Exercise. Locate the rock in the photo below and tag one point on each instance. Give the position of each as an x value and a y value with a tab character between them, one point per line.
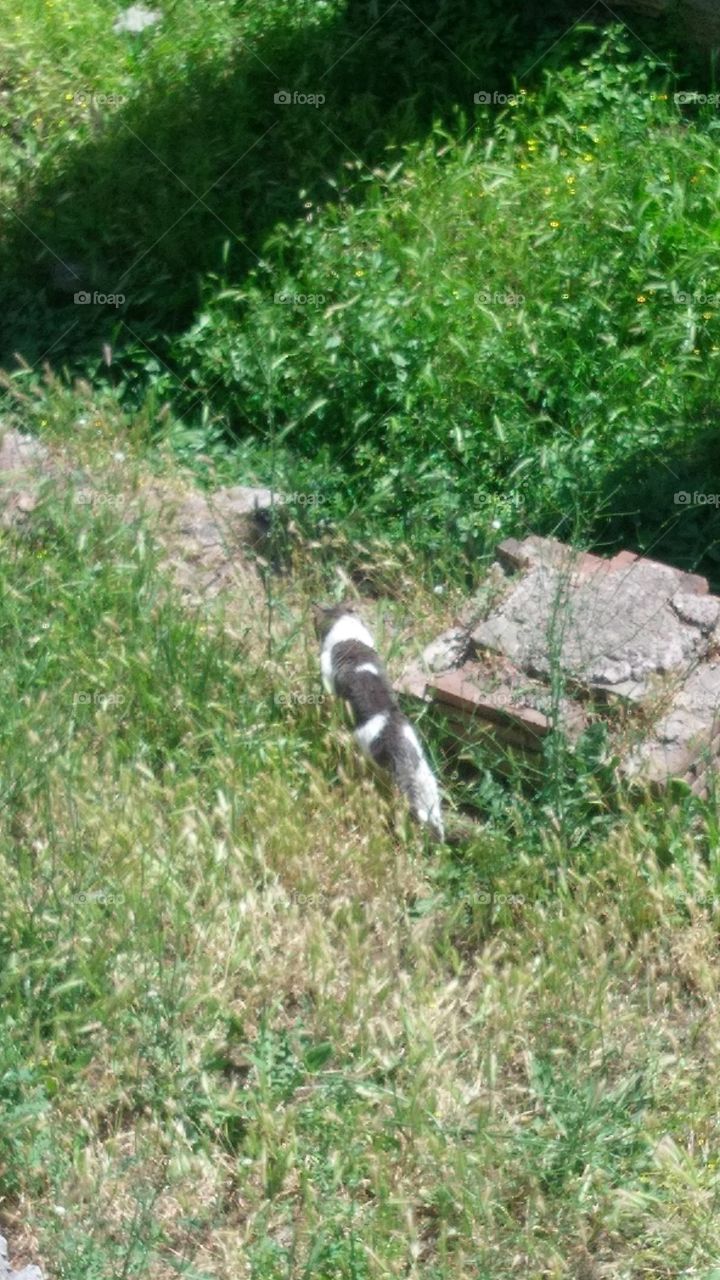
6	1272
16	508
699	611
606	624
19	452
449	650
572	632
214	519
23	461
206	536
680	743
697	21
501	694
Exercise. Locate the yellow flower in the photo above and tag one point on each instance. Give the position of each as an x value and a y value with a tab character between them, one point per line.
707	315
588	157
359	273
570	177
554	222
641	298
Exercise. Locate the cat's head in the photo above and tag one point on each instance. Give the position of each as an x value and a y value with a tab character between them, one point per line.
325	617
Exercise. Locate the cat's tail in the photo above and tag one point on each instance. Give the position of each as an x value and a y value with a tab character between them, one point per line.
418	783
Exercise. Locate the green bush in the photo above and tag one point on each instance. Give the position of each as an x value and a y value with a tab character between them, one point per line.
502	336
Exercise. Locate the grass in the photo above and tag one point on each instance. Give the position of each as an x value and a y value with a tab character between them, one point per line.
248	1028
247	1033
426	316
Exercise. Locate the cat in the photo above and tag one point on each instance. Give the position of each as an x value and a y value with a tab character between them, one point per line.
352	670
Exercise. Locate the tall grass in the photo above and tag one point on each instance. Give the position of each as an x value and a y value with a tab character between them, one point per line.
487	318
247	1032
247	1029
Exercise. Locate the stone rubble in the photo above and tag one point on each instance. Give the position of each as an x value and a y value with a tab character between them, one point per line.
6	1271
624	632
204	537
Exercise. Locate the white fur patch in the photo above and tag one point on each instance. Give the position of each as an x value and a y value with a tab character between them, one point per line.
368	666
428	811
368	732
326	670
348	627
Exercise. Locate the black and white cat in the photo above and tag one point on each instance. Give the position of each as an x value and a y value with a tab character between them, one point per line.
352	670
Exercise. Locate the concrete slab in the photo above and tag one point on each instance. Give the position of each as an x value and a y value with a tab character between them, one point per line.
569	637
606	624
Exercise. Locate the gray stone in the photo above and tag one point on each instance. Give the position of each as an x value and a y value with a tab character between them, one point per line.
623	629
19	452
221	517
244	500
684	730
605	629
6	1272
16	507
449	650
699	611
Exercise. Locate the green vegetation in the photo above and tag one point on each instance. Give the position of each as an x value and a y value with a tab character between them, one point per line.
247	1027
507	313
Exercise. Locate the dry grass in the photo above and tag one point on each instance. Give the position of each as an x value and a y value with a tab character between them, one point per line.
251	1028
